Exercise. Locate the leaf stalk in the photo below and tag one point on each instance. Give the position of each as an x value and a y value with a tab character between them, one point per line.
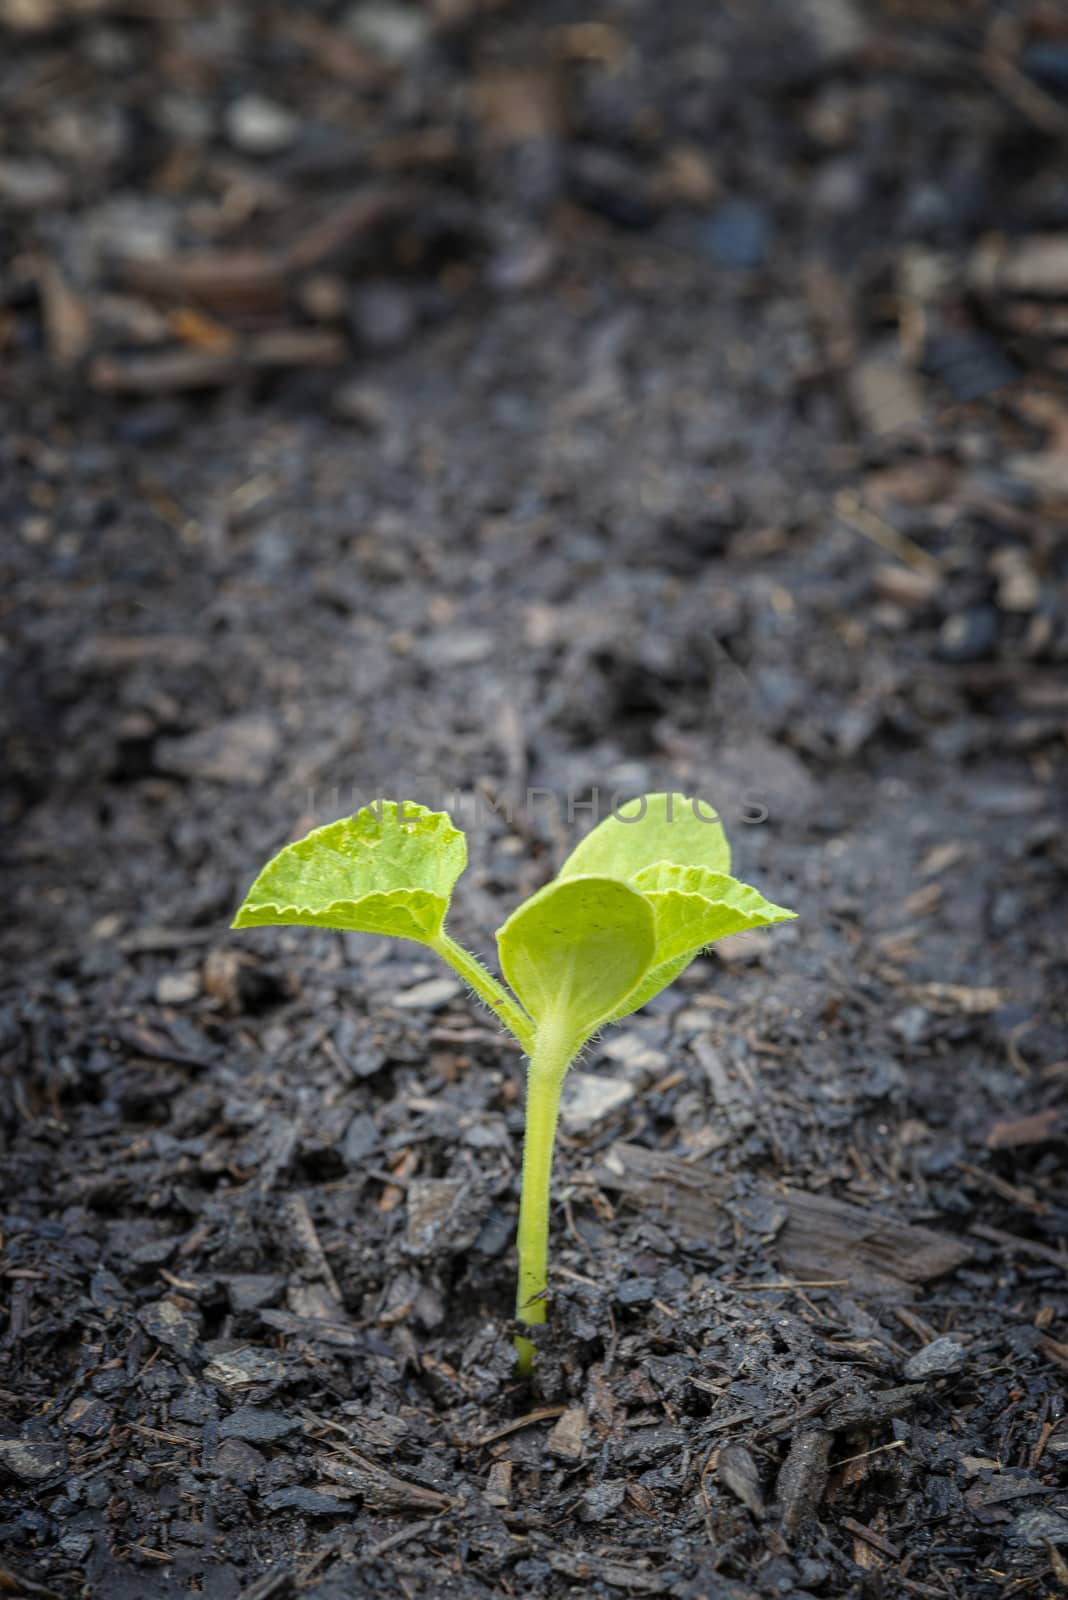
550	1058
485	985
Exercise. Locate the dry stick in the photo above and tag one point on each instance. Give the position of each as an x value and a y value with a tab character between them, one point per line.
896	1444
848	507
542	1415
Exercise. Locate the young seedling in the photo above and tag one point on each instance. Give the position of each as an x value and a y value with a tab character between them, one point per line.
630	908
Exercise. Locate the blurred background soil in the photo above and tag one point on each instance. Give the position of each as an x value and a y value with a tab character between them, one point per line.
453	400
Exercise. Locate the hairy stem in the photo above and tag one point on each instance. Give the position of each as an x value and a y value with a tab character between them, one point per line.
549	1061
485	985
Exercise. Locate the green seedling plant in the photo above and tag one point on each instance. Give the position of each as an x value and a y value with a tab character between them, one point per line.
632	906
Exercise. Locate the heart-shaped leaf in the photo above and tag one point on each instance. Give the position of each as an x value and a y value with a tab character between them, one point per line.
653	828
575	950
390	869
693	908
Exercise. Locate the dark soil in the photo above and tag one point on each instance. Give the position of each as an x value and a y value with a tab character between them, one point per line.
534	398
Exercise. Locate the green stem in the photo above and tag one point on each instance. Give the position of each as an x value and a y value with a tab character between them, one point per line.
549	1061
485	985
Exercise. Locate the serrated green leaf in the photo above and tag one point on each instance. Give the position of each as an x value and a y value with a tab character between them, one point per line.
390	869
652	828
575	950
693	908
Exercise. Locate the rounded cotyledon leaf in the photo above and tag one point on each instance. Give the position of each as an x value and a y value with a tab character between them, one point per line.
693	908
390	869
650	829
575	950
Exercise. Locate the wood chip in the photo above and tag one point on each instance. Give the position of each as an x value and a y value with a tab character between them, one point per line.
803	1477
1034	266
380	1488
949	997
736	1468
567	1438
68	325
822	1237
1036	1128
185	368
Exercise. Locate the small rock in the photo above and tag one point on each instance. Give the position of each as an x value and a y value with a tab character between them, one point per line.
836	28
636	1291
1036	1529
361	1136
256	1425
969	635
744	949
602	1500
32	1459
426	996
238	1369
936	1360
566	1439
396	33
906	586
812	1574
75	1546
456	647
247	1291
381	315
239	751
521	264
105	1290
885	393
1018	585
177	988
911	1024
635	1059
30	185
440	1217
177	1327
687	177
838	187
260	127
312	1501
587	1101
362	404
737	234
238	1461
324	297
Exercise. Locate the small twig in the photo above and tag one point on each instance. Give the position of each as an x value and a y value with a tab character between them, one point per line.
17	1584
400	1537
153	1555
1010	1241
167	1438
1021	91
869	1536
785	1283
896	1444
848	507
543	1414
